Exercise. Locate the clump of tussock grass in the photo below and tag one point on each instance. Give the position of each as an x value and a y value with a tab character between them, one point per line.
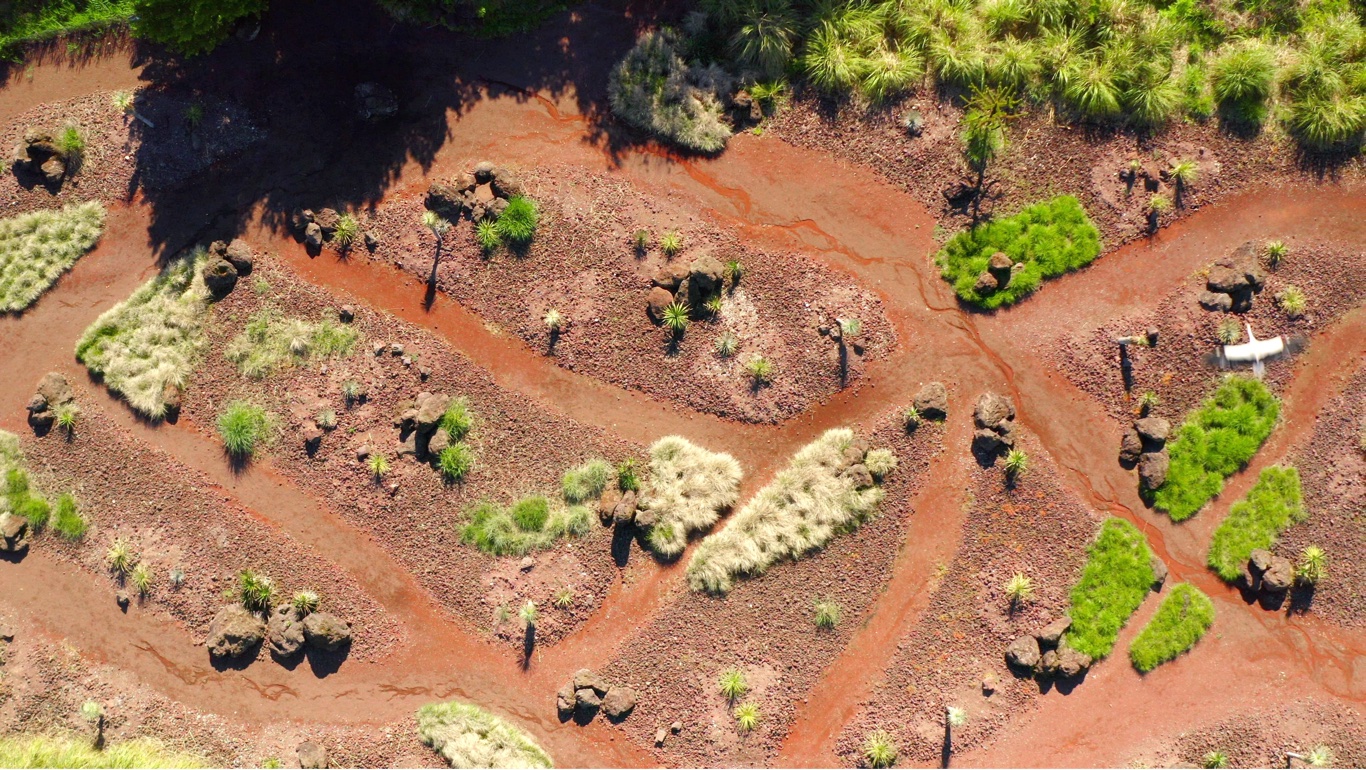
67	520
655	90
21	499
587	481
36	248
270	341
1184	616
808	504
530	524
244	426
48	751
149	342
468	736
1216	440
1117	577
688	488
1272	504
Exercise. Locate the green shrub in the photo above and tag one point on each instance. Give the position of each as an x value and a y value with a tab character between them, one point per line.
827	615
347	231
732	684
36	248
628	479
587	481
1216	440
41	751
803	508
456	461
243	426
192	27
530	524
879	750
67	521
458	419
688	488
254	591
146	345
1184	616
486	232
1243	78
21	498
1049	239
1117	577
531	513
517	223
21	23
653	89
1254	522
468	736
747	716
268	342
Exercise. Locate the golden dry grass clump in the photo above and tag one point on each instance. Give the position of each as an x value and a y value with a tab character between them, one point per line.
824	491
468	736
145	347
688	488
37	247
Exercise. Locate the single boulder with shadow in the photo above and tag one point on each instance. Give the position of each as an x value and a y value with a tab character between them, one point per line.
233	633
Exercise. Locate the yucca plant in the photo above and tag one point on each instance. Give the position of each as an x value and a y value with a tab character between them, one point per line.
553	320
713	305
1184	173
732	684
1019	589
747	716
255	592
378	465
1313	565
347	231
827	615
486	233
122	101
850	327
1149	401
564	598
140	578
1016	463
879	751
733	271
1293	301
67	415
1229	331
1275	252
910	418
120	557
1159	204
194	115
1214	760
671	243
760	370
529	614
305	602
727	344
676	317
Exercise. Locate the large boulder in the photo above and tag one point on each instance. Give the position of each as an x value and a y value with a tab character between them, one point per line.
624	512
1215	302
566	701
325	631
1000	265
860	475
593	681
285	632
1152	469
327	220
55	390
655	303
1052	633
1160	571
932	401
1071	663
618	703
1023	653
234	632
670	275
1153	430
991	410
430	410
13	533
312	756
504	183
446	200
587	700
987	442
239	254
313	236
1226	279
706	274
1259	561
220	276
986	283
1130	447
1279	576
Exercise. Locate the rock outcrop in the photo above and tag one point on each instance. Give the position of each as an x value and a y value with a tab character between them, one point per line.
234	632
994	417
587	693
932	401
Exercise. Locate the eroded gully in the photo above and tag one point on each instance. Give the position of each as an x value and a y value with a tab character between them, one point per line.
860	226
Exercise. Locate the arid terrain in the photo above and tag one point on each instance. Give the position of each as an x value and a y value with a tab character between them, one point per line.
812	241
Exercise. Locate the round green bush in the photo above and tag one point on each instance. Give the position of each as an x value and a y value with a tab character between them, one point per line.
531	513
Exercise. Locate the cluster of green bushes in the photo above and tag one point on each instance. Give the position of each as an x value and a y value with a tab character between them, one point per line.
1272	504
655	90
1117	576
17	496
1216	440
1184	616
269	341
468	736
529	524
46	751
515	227
1048	239
37	247
802	509
145	347
688	488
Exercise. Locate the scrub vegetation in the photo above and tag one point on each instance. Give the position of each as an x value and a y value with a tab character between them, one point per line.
532	523
1216	440
468	736
269	342
808	504
32	21
146	345
688	488
46	751
36	248
1184	616
655	90
1272	505
1114	582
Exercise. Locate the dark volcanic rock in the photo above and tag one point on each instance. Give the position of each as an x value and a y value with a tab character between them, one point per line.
234	632
932	401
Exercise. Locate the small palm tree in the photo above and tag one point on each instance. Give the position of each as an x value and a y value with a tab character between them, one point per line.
1016	464
529	614
827	615
911	418
1214	760
93	712
747	716
1319	756
849	327
1230	331
1020	588
378	464
436	223
676	317
1313	565
732	684
1159	204
1275	253
879	750
671	243
953	717
553	320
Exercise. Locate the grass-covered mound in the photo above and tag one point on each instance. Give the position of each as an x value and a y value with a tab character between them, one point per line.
1216	440
468	736
530	524
1272	504
1185	615
655	90
145	346
44	751
688	488
1048	239
269	342
810	502
18	497
38	247
1117	576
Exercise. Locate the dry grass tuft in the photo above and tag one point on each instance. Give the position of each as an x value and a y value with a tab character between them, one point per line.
37	247
269	342
809	502
688	488
468	736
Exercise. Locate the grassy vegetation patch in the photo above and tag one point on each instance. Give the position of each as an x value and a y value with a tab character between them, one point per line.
655	90
688	487
146	345
587	482
1272	504
810	502
468	736
1184	616
270	341
1216	440
17	495
1047	239
22	22
244	427
1117	576
530	524
44	751
37	247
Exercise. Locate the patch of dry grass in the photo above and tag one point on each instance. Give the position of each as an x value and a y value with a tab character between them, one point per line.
688	488
468	736
36	248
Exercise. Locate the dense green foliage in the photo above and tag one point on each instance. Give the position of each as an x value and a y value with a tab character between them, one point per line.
22	500
21	22
1114	582
243	427
1216	440
1048	239
517	224
40	751
67	520
530	524
1256	521
468	736
268	342
37	247
1184	616
192	26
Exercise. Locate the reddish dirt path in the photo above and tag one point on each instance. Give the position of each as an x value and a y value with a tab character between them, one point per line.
861	226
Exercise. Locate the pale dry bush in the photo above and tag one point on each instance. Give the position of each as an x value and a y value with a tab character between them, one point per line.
688	488
151	339
655	90
468	736
37	247
809	502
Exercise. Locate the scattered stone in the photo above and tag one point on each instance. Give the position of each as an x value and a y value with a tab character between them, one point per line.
1215	302
347	314
325	631
233	632
990	683
527	564
285	632
932	402
1226	280
860	475
1278	576
1153	430
396	349
1071	663
1048	664
483	172
676	728
660	736
311	756
587	699
122	599
987	442
1160	572
374	102
438	443
13	533
1023	653
618	703
1052	633
504	184
1152	469
1130	447
38	160
371	240
312	435
327	220
655	303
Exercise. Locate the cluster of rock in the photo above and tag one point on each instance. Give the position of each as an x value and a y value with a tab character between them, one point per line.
236	632
994	417
931	402
1152	174
418	421
622	508
482	193
688	284
38	160
14	533
53	394
315	228
1145	445
226	263
1268	574
745	110
312	756
997	275
374	102
1046	653
588	693
1233	281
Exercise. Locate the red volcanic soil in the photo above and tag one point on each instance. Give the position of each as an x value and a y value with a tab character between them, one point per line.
1263	737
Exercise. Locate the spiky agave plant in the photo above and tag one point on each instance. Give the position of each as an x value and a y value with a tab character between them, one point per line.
671	243
1019	589
347	231
305	602
879	751
727	344
120	557
1229	331
676	317
1293	301
827	615
378	465
747	716
1276	252
1016	463
732	684
1313	565
1214	760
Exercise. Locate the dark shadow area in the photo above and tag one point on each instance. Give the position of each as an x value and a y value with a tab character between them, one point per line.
622	535
1301	597
237	663
946	750
528	645
324	663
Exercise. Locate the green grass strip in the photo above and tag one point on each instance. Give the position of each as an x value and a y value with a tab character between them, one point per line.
1117	577
27	22
1273	504
1185	615
1049	238
1215	441
45	751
